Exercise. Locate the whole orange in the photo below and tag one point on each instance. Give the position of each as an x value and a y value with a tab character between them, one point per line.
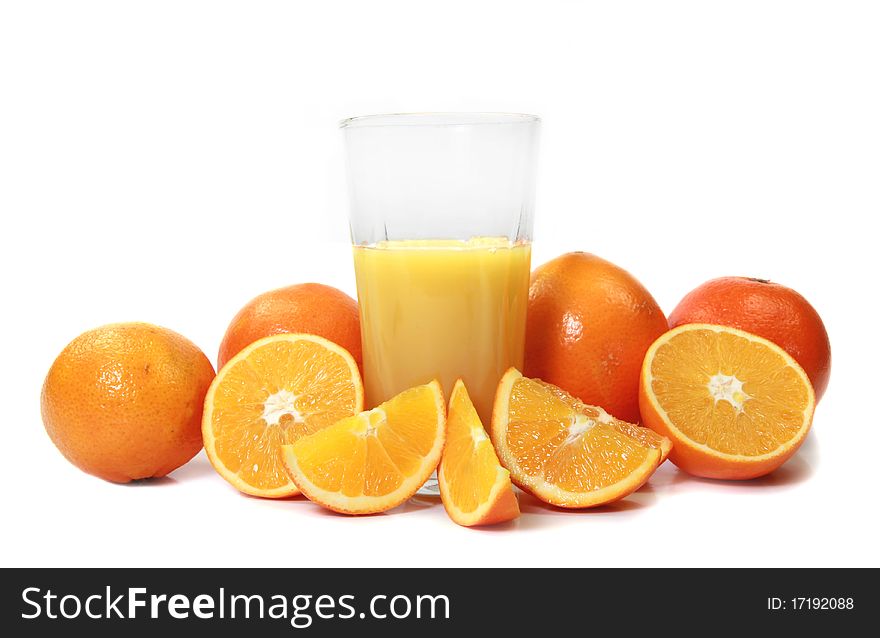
768	310
124	401
588	327
310	308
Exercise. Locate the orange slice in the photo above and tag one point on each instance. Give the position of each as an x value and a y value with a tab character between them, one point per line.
735	405
474	488
645	436
375	460
271	393
565	452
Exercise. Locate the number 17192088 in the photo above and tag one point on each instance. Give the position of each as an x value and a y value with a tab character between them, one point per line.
810	603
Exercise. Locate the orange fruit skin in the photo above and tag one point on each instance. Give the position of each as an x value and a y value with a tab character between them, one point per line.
124	401
303	308
588	326
768	310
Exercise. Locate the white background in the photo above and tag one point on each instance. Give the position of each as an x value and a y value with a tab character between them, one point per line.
166	161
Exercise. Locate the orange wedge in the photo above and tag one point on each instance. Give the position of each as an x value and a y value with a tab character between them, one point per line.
565	452
735	405
645	436
375	460
271	393
474	488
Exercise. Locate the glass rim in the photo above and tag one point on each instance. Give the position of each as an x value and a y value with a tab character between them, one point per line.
439	118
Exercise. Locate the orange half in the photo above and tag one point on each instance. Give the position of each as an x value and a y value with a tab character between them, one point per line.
474	487
735	405
273	392
375	460
565	452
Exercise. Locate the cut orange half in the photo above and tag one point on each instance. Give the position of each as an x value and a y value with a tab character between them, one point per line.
735	405
565	452
375	460
474	487
271	393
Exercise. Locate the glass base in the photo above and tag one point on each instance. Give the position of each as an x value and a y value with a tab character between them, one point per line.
431	487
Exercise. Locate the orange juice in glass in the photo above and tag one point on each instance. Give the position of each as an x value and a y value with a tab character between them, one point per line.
442	309
441	220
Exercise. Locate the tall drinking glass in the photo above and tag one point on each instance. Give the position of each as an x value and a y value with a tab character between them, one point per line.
441	221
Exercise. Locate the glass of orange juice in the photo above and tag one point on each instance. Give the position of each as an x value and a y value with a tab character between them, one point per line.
441	210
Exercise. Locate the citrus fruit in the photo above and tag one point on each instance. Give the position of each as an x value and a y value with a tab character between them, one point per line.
304	308
768	310
271	393
588	326
124	401
375	460
646	436
735	405
474	488
565	452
